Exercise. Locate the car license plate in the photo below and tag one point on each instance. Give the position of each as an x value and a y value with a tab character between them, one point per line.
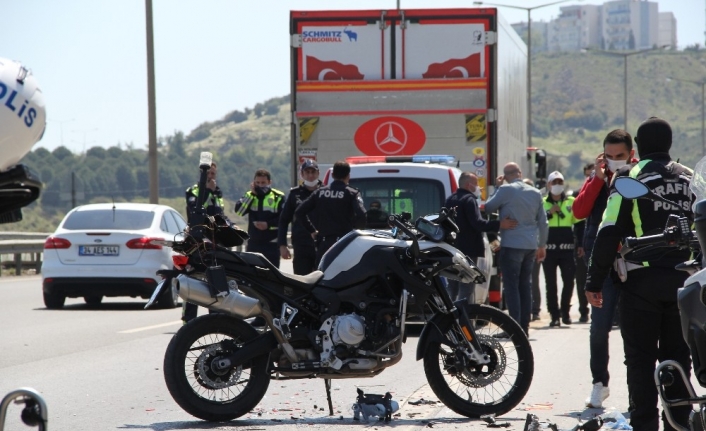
98	250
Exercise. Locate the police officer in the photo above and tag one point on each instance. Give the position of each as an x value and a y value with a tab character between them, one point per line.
337	209
560	249
304	247
649	324
214	196
213	206
263	205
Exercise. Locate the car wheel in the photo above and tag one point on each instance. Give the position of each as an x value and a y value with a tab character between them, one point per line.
53	300
169	299
93	300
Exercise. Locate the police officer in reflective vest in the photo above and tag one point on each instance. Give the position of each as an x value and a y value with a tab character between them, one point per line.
337	208
304	261
263	205
560	248
649	315
213	205
214	196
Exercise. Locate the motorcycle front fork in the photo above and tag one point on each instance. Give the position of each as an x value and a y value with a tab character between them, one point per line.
475	353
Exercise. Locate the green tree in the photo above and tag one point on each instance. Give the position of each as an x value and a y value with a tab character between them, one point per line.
97	152
126	180
63	154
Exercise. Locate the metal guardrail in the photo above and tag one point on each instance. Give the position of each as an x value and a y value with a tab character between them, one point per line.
24	235
21	246
18	247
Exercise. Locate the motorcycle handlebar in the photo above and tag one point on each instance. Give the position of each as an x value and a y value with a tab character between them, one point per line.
398	222
633	242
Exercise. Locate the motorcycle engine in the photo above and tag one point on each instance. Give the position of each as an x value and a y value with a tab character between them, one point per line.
349	330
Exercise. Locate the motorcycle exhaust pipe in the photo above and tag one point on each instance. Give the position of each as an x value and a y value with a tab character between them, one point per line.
235	303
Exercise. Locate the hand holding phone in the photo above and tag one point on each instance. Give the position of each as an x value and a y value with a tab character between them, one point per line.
600	166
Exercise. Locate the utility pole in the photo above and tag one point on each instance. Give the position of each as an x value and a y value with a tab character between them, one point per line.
151	108
529	55
625	56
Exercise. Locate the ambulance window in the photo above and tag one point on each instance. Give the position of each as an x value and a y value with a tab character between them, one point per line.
418	196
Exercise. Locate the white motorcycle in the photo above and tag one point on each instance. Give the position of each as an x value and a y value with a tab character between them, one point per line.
344	321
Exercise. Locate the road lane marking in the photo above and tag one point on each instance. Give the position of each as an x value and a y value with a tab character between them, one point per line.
147	328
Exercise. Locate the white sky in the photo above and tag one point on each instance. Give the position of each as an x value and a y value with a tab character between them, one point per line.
212	56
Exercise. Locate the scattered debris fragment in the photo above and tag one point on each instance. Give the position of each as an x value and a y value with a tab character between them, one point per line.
491	423
422	401
615	420
592	425
531	423
382	406
489	419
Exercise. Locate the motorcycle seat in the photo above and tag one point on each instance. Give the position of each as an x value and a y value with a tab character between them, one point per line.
307	281
266	268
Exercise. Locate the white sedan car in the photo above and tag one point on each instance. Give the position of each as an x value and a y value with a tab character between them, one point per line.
106	250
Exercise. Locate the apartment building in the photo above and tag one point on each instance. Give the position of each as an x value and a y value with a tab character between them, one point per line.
667	30
577	27
619	25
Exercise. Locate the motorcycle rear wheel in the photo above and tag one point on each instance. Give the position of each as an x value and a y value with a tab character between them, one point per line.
202	390
494	388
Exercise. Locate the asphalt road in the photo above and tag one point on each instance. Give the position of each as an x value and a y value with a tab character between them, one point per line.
102	369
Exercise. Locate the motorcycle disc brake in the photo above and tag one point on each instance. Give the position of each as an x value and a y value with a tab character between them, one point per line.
478	376
211	378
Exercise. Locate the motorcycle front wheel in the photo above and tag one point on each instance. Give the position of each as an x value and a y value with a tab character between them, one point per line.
202	389
474	390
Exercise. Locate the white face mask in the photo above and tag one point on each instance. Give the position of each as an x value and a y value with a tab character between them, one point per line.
311	183
477	192
557	189
614	165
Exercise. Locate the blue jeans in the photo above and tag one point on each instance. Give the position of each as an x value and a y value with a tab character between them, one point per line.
516	265
601	325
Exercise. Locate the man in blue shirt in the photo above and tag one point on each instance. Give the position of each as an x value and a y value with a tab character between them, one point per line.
522	245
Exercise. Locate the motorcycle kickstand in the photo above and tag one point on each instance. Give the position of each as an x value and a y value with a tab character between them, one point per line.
327	383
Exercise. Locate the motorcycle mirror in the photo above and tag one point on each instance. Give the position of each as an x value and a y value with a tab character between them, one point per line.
205	160
630	188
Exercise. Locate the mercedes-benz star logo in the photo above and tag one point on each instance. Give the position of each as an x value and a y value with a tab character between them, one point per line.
390	137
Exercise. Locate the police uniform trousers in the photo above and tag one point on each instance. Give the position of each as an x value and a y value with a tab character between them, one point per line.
304	259
269	249
581	271
536	291
564	260
323	243
651	331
